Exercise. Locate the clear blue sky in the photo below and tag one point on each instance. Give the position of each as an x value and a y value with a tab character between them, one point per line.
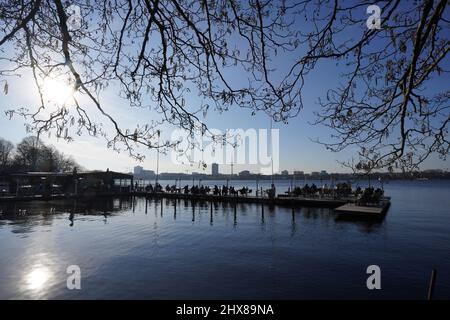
297	152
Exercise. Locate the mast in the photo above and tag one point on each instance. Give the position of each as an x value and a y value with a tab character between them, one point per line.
157	160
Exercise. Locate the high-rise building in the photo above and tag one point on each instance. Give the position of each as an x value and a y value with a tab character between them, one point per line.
138	170
214	169
315	174
244	173
140	173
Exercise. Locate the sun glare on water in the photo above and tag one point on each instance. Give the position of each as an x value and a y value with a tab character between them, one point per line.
56	91
37	278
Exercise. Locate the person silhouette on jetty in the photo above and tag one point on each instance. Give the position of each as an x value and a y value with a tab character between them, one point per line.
272	191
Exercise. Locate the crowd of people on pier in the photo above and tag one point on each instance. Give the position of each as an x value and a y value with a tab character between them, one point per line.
198	190
341	190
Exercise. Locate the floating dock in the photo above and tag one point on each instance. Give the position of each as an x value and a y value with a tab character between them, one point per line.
352	209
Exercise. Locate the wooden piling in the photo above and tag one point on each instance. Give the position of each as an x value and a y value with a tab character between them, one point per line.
262	213
431	286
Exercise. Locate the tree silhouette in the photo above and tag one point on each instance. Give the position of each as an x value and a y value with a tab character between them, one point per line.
33	155
6	147
155	53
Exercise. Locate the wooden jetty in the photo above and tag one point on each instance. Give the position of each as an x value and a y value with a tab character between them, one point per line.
344	207
281	201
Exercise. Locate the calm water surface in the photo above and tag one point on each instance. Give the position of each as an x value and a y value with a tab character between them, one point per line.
131	248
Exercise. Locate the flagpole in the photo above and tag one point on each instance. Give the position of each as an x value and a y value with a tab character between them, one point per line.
271	146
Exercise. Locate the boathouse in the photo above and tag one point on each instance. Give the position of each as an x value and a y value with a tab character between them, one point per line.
68	183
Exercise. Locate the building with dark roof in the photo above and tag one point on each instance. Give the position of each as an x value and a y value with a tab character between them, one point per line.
78	183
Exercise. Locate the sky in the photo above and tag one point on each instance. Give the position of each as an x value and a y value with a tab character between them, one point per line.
297	151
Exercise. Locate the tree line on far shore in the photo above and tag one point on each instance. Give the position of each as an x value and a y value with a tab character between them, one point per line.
31	154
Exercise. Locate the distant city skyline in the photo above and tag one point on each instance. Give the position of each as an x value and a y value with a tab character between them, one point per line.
215	170
93	156
139	171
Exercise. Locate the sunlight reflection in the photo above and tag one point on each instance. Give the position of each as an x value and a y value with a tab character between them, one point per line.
37	278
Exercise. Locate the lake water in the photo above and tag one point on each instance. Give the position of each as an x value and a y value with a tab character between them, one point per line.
131	248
